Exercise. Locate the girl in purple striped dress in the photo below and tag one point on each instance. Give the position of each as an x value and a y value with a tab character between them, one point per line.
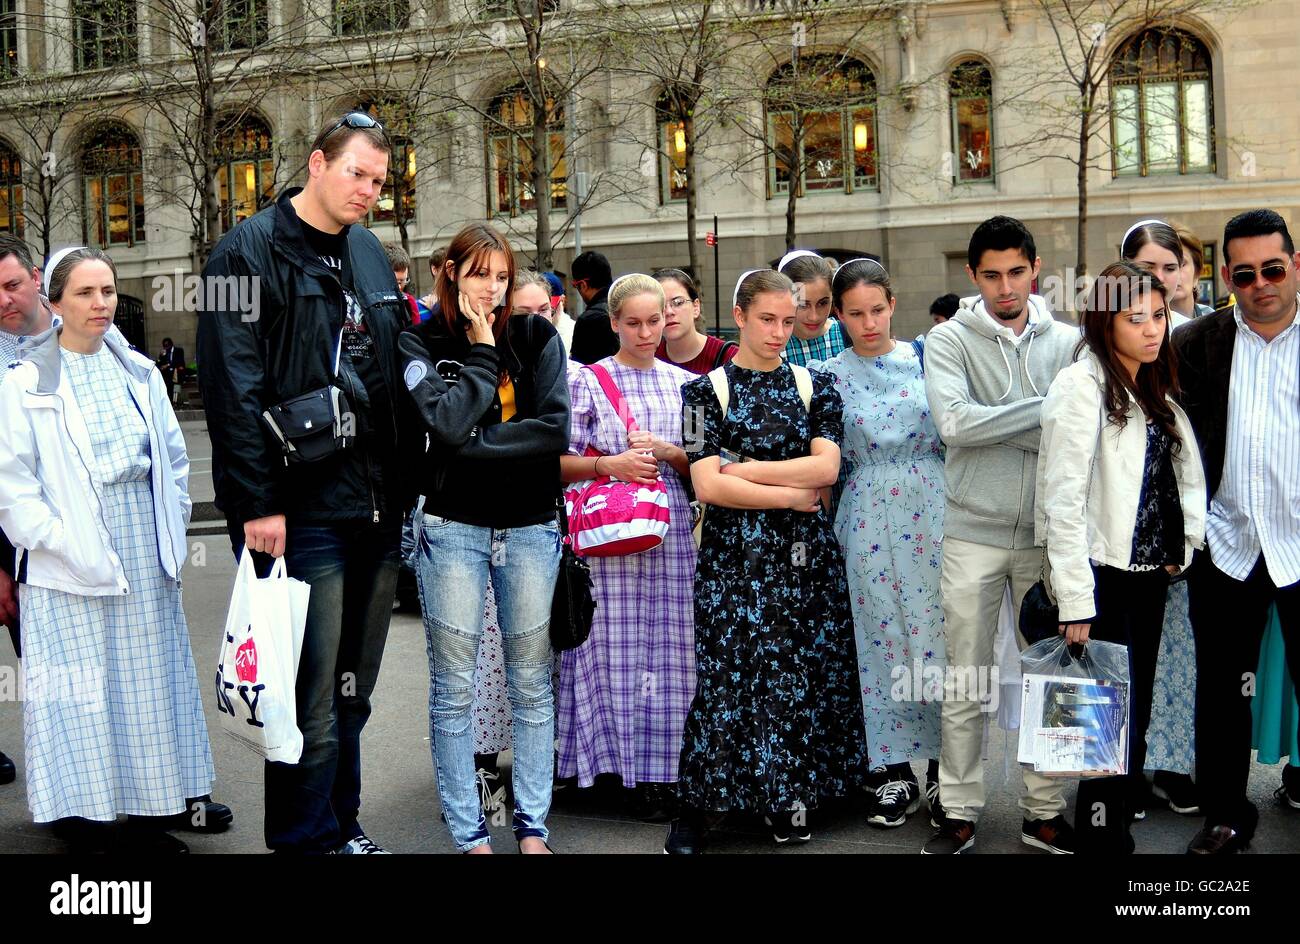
624	694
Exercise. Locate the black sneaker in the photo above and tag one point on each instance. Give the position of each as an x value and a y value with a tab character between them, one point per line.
686	836
894	802
955	836
1178	791
1289	792
789	826
937	814
7	769
1053	835
653	802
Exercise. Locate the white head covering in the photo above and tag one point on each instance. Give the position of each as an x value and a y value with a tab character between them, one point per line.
735	293
50	263
859	259
792	255
1138	225
627	275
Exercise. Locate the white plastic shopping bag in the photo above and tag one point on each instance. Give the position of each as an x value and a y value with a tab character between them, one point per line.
258	667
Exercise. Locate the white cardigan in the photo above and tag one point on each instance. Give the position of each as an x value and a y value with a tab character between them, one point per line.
49	495
1087	497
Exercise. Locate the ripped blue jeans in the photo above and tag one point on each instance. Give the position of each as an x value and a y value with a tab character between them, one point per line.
452	566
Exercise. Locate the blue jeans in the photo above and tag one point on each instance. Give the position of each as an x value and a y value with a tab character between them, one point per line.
312	806
452	568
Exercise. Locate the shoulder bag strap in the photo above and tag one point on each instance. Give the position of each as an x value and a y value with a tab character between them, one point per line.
721	389
615	396
803	381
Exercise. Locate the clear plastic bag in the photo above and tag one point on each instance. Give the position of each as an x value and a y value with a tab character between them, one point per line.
1074	709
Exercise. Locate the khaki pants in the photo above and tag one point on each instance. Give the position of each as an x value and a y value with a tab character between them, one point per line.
972	582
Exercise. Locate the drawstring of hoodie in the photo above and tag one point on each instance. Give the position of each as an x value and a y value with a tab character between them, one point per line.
1028	373
1011	379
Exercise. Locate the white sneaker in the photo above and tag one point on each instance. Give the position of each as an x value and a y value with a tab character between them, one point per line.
362	845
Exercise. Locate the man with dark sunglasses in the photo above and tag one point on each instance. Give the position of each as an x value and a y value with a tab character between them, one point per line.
1240	373
326	319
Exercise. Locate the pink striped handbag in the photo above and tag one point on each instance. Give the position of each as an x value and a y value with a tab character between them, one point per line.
611	518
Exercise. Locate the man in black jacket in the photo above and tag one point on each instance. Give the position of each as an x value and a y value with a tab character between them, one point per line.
1240	373
299	299
593	338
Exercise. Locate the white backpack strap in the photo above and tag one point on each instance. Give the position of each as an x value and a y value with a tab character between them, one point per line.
803	381
721	389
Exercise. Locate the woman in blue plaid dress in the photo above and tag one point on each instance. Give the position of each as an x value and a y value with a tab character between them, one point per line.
624	694
93	495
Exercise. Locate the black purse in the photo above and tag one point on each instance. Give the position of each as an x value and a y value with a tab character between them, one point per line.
315	424
572	606
1040	618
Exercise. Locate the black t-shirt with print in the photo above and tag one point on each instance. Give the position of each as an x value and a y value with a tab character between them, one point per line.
358	365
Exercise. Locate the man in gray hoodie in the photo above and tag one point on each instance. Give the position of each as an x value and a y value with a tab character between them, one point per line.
987	372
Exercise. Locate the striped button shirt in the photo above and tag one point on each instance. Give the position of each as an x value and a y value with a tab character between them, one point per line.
1257	506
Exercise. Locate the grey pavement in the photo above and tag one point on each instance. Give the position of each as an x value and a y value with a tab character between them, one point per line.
199	448
399	802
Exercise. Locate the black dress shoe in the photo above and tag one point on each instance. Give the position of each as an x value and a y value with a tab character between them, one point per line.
149	840
83	835
7	769
1218	840
202	816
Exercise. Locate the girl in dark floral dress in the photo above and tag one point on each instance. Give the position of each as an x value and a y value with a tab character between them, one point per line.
776	722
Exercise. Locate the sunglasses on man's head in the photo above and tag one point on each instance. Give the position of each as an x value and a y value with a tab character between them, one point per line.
355	120
1273	273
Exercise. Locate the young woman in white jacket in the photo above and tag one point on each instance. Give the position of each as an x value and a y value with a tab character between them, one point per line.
93	495
1120	506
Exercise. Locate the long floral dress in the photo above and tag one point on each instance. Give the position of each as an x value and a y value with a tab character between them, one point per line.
624	693
776	723
890	525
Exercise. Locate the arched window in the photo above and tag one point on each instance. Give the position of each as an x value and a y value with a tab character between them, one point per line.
246	173
970	94
510	153
360	17
1162	107
672	148
11	190
113	176
821	126
104	31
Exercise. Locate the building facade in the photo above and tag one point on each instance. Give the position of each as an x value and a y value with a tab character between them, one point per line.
932	117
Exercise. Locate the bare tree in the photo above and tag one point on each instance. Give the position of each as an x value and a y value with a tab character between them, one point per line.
793	120
376	62
36	108
678	48
211	65
1067	96
554	113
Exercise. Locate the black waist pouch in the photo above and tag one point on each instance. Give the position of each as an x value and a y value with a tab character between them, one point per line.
313	425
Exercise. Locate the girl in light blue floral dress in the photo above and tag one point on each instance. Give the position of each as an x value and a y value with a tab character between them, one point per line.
890	524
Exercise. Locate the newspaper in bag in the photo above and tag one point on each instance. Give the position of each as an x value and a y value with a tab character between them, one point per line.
1074	713
258	666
